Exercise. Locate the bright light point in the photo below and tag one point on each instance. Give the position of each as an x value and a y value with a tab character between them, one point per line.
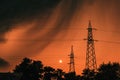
60	61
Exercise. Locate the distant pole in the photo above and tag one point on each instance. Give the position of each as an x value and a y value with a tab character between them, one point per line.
72	63
90	53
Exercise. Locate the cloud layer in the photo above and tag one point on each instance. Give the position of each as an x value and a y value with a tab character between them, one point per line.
17	11
3	63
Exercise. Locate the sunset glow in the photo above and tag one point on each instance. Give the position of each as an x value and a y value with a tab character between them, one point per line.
48	34
60	61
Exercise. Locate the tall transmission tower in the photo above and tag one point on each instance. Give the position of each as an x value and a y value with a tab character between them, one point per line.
90	53
72	63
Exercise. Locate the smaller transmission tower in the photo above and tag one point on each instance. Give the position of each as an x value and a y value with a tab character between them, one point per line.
71	64
90	53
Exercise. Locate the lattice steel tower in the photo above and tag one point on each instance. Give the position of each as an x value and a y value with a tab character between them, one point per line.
90	53
72	63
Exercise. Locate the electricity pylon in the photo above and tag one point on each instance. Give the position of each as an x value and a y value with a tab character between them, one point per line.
90	53
72	63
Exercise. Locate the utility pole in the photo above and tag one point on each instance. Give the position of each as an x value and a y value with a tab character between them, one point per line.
72	63
90	53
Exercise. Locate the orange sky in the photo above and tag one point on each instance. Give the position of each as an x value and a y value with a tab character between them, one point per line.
53	41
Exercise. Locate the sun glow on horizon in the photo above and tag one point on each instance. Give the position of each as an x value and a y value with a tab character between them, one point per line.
60	61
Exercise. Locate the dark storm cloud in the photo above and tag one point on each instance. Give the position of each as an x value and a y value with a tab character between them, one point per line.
67	10
16	11
11	9
3	63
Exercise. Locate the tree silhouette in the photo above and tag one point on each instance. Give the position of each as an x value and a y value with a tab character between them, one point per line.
109	71
88	74
70	76
34	70
48	72
78	77
22	66
30	70
59	74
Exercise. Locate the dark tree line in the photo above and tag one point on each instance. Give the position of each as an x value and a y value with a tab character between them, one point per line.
30	70
34	70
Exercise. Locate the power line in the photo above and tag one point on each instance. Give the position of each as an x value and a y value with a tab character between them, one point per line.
108	31
83	29
96	30
109	41
30	40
